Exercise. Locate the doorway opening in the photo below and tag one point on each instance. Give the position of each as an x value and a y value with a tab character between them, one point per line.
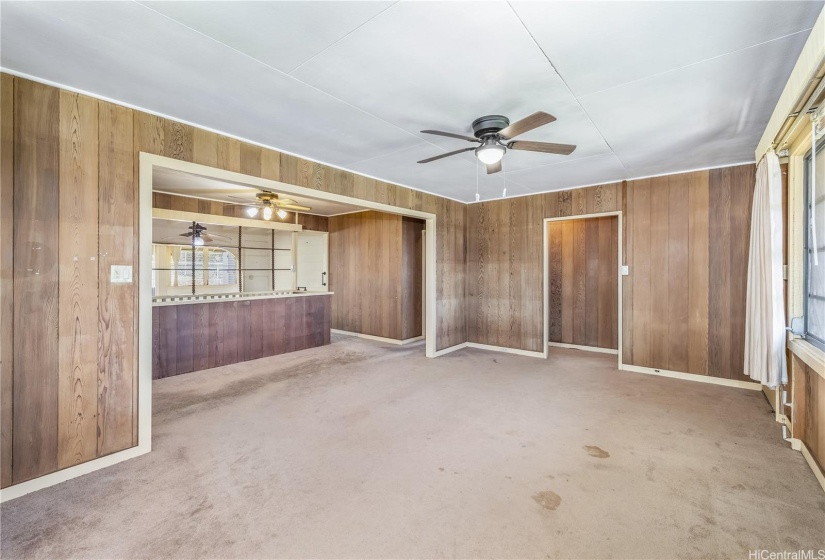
583	283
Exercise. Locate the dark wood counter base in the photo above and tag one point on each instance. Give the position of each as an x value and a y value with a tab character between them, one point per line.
196	336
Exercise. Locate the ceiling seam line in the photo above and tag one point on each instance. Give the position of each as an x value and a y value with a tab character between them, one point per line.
262	63
695	63
563	81
325	49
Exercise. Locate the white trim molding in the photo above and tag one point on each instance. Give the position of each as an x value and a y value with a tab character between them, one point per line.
546	273
692	377
583	348
800	446
378	338
450	349
505	350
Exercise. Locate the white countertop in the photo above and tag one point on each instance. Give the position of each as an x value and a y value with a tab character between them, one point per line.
160	301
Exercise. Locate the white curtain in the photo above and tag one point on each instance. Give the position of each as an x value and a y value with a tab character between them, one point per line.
765	311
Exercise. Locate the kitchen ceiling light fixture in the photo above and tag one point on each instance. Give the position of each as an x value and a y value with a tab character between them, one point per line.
494	133
270	203
197	241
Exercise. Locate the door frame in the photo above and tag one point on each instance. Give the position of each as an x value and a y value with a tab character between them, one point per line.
546	274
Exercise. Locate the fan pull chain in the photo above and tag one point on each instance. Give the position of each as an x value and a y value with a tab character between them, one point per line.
477	195
504	170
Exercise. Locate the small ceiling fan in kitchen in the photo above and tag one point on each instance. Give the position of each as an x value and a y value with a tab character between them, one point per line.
268	203
495	134
197	234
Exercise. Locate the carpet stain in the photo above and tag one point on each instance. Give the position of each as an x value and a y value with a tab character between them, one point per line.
597	452
547	499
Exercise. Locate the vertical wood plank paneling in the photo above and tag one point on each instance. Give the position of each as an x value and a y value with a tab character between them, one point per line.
597	269
555	271
229	154
567	282
579	283
204	147
659	274
77	292
178	140
256	322
36	206
677	273
627	281
116	318
592	311
216	335
270	164
150	135
640	269
606	274
167	341
6	276
185	335
698	264
368	303
250	159
719	329
200	330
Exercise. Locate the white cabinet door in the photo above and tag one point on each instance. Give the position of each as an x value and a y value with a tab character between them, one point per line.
311	260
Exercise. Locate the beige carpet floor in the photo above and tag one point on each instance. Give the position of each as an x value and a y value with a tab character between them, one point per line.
361	450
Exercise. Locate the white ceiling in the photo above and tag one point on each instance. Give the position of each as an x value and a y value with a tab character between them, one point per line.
188	184
643	88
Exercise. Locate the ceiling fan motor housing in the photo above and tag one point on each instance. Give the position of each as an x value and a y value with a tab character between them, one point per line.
489	124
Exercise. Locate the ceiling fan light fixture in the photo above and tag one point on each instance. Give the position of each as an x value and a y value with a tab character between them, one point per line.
490	152
252	211
197	241
282	213
267	213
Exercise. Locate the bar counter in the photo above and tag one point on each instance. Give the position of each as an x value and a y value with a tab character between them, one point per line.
192	333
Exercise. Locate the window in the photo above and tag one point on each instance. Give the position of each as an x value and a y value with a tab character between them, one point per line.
815	246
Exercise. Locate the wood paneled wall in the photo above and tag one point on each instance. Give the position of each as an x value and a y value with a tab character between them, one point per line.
69	187
808	413
505	262
687	245
196	336
685	242
372	272
412	278
583	267
191	204
69	203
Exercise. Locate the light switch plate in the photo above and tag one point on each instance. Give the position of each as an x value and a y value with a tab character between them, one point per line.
625	271
121	274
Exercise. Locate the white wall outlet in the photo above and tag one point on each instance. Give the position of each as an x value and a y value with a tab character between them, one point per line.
121	274
625	271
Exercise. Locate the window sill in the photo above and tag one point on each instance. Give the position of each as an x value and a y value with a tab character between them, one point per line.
813	357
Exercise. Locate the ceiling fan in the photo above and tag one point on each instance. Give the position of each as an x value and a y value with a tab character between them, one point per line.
495	133
199	236
269	202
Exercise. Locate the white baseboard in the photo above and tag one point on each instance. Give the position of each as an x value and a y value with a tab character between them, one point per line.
449	349
378	338
584	348
799	445
693	377
505	350
39	483
489	347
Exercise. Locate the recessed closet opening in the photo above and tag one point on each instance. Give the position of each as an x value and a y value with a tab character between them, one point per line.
583	283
